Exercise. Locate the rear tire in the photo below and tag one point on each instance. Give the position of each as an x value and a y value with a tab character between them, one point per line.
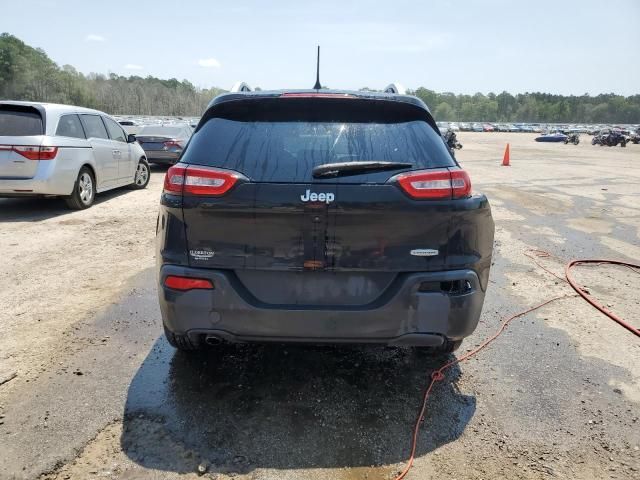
84	190
180	342
142	175
449	346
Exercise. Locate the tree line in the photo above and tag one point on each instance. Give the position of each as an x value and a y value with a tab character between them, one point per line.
27	73
532	107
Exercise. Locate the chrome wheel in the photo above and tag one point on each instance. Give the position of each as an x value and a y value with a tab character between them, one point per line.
85	188
142	174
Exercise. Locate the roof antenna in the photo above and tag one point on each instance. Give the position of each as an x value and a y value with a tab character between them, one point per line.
317	86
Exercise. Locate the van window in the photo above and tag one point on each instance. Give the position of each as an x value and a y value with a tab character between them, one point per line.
18	121
94	127
115	131
70	126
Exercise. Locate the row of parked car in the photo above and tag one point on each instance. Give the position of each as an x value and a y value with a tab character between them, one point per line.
533	127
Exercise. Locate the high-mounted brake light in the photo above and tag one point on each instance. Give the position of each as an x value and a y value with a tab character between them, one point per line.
33	153
194	180
316	95
436	184
186	283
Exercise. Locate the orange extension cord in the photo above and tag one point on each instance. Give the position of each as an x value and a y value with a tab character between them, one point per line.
438	375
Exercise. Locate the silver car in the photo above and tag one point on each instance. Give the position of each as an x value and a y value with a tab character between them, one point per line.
61	150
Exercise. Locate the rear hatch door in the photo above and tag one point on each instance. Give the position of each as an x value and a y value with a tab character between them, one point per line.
295	238
21	129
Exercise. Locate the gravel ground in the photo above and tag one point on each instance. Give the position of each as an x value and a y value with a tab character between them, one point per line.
98	393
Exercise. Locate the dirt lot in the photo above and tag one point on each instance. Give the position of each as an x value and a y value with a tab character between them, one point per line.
99	393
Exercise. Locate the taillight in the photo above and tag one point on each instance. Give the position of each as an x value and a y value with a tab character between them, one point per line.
174	179
460	184
193	180
208	181
186	283
436	184
172	143
36	153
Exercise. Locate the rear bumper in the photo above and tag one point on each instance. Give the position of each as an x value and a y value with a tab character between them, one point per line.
49	179
162	156
404	316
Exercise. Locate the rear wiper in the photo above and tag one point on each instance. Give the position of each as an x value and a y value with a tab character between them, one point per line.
355	168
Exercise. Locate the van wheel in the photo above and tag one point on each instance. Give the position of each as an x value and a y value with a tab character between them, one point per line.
181	342
84	191
141	178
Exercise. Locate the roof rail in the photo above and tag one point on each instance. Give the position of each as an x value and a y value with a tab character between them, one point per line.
241	87
395	88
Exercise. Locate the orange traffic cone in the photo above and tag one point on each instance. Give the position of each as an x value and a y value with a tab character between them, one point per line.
505	159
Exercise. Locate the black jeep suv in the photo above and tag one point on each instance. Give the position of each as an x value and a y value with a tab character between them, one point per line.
321	216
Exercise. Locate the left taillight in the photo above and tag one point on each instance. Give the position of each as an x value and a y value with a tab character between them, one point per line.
36	153
435	184
199	181
174	179
176	282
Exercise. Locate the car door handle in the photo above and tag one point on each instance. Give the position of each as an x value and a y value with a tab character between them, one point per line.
116	153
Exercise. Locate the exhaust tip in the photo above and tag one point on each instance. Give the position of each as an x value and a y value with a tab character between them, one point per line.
212	340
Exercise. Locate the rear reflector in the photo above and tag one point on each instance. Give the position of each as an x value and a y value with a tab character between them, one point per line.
436	184
186	283
202	181
33	153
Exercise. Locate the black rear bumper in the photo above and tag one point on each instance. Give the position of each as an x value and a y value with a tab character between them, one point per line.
421	310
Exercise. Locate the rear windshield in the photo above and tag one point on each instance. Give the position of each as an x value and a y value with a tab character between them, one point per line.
20	122
286	150
162	131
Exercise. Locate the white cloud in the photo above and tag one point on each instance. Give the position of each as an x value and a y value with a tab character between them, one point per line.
133	66
209	63
92	37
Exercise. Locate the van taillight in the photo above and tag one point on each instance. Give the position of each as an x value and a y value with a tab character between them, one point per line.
195	180
36	153
436	184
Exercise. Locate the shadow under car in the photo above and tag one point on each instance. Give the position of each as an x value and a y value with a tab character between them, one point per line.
242	407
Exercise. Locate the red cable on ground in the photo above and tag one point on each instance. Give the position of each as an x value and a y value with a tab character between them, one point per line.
438	374
588	298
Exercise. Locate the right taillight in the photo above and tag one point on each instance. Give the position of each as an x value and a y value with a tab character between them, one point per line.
199	181
460	184
435	184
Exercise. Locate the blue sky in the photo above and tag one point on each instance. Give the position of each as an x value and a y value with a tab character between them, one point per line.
569	47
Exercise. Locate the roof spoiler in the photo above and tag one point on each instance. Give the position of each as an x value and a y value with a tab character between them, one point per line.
241	87
396	88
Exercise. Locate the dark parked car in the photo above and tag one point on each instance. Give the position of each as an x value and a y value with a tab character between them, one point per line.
164	143
321	217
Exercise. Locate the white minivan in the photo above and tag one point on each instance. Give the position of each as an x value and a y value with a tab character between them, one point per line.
48	149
